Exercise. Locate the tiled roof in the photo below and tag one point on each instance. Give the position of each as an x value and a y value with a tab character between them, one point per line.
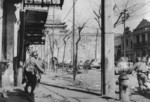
143	24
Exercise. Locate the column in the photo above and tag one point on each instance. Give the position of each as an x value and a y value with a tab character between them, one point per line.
17	79
1	24
109	77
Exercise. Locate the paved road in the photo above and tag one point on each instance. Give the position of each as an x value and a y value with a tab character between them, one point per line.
51	94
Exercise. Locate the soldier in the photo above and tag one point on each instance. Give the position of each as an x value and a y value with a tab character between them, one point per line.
31	72
141	69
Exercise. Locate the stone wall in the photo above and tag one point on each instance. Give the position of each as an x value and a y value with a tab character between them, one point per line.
86	48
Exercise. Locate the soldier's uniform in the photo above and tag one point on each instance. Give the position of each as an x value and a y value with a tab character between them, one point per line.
141	69
32	72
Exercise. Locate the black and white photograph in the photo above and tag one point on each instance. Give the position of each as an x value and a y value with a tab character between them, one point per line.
74	50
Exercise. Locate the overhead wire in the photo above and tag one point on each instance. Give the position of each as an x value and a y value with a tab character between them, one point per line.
139	15
139	6
69	11
133	12
136	13
117	6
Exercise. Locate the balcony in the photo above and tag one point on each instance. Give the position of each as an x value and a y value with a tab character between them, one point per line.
141	45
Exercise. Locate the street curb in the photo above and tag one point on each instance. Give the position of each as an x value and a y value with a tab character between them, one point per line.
73	89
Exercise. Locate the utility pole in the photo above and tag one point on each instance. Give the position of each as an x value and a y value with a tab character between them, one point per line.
53	32
73	38
103	49
1	34
124	25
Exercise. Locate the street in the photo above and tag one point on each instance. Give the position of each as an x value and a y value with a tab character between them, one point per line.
63	89
70	48
63	95
86	88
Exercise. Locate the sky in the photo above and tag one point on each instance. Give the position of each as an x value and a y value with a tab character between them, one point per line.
140	9
84	11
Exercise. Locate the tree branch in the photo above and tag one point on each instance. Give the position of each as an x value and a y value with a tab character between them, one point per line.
118	20
100	9
98	16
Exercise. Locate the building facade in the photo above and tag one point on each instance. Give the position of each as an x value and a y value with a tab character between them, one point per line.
142	38
127	44
136	43
117	47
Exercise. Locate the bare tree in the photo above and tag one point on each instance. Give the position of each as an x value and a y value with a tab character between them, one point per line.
58	46
97	17
80	27
97	14
65	39
51	45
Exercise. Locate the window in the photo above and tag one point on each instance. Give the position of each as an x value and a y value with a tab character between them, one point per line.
139	31
146	37
122	46
131	44
137	39
126	42
140	38
146	28
143	37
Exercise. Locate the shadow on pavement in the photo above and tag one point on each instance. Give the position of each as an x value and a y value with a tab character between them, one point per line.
146	94
18	94
110	98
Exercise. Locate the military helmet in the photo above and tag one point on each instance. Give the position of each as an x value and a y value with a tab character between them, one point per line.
122	59
34	53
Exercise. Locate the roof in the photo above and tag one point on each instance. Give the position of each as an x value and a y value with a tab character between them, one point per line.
143	24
